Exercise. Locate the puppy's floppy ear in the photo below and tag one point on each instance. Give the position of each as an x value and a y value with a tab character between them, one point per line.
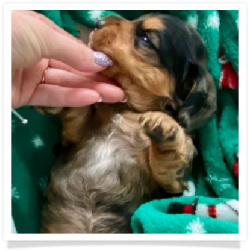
198	96
192	74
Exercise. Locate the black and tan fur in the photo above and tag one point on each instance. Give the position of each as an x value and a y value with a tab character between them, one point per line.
117	156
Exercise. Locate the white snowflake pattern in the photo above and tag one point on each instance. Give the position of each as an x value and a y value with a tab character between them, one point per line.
38	141
196	227
15	193
193	21
43	183
95	15
225	186
213	20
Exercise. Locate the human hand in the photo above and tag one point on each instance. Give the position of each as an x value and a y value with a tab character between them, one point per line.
72	79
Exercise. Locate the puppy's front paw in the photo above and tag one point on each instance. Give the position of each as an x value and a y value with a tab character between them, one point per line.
171	152
161	129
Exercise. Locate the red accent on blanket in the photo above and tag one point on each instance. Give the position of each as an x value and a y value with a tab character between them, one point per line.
188	209
236	169
212	211
229	77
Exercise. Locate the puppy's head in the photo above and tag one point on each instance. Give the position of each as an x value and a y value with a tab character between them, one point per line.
161	64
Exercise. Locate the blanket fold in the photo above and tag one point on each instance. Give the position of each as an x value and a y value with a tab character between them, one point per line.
187	215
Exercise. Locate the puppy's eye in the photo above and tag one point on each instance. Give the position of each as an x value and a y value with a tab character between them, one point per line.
145	39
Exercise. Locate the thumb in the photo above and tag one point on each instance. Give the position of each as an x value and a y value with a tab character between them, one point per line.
72	52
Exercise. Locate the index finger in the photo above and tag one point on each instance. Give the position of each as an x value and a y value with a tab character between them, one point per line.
47	21
73	52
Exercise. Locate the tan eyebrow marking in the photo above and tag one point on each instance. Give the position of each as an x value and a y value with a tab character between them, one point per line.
153	23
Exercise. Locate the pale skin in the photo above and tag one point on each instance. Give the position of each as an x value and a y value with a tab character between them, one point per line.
73	78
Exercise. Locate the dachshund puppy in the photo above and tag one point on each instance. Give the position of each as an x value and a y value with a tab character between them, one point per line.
117	156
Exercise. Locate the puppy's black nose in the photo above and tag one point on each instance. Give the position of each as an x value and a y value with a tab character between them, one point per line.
99	24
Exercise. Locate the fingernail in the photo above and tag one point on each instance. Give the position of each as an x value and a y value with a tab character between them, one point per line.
102	59
125	99
100	99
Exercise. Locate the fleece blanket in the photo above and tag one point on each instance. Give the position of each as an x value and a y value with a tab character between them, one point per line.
210	205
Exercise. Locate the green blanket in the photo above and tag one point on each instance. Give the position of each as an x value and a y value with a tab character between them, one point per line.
211	203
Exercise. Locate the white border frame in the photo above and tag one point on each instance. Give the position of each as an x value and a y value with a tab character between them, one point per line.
122	237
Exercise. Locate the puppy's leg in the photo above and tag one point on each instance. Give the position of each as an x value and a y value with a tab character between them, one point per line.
73	119
170	153
49	110
74	122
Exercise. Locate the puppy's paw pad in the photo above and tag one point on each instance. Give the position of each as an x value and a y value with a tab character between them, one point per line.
157	133
158	129
171	133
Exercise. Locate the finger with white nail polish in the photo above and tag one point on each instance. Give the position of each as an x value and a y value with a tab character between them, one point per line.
102	59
